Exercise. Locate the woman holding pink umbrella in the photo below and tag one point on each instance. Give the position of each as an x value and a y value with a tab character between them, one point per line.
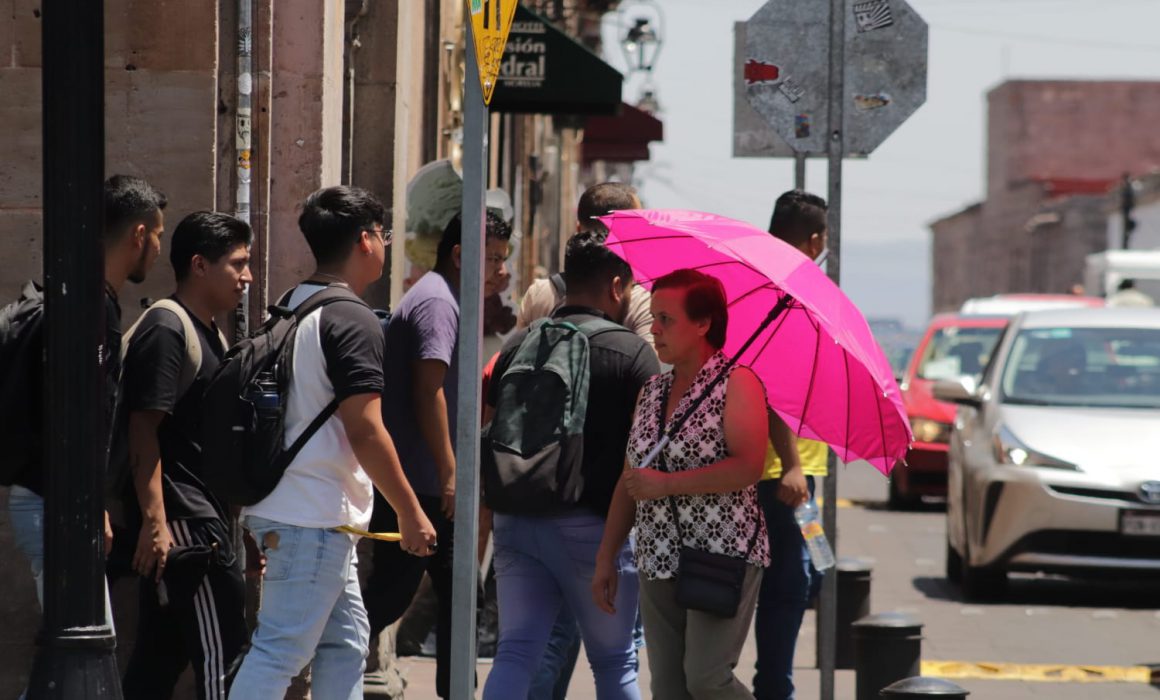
700	539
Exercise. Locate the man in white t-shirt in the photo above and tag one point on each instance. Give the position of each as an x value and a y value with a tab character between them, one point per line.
312	611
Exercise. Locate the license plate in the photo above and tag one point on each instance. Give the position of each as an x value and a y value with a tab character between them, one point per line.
1140	523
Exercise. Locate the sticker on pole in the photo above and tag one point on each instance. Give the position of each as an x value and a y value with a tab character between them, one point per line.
491	20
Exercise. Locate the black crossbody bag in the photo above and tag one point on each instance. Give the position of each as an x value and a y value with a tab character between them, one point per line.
706	581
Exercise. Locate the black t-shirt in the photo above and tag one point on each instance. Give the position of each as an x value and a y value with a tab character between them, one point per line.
156	354
620	363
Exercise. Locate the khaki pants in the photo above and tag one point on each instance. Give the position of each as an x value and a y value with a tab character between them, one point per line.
691	654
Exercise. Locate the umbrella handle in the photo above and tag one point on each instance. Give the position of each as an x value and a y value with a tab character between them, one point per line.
655	452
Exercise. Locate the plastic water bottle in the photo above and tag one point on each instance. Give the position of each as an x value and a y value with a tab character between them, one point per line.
810	521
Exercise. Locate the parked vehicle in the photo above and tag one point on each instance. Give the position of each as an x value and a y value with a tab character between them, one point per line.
1053	458
953	345
1011	304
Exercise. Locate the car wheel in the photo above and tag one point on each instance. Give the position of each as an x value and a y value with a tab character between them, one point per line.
897	500
980	583
954	564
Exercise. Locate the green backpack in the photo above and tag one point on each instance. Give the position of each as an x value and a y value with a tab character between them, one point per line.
533	449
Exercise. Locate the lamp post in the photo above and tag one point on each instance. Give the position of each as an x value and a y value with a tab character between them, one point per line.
641	27
75	658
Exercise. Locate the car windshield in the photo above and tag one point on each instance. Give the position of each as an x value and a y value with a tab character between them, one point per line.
956	352
1097	367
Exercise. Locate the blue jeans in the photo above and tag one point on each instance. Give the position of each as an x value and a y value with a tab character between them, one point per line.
26	511
555	672
790	582
543	564
312	613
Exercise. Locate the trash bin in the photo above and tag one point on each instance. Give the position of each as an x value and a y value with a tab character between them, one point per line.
887	649
918	688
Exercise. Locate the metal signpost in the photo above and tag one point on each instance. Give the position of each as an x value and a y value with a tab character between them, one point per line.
837	79
491	21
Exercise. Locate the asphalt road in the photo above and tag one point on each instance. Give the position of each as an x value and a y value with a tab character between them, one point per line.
1046	627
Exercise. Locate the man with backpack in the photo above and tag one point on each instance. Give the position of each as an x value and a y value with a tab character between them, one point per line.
540	301
134	222
419	408
192	593
312	611
561	403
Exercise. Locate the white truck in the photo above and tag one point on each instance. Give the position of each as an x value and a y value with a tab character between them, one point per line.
1104	272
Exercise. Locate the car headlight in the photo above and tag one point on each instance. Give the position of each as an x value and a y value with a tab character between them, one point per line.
927	430
1011	450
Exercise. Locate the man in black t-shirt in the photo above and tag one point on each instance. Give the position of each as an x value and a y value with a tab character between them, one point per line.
544	563
134	224
192	591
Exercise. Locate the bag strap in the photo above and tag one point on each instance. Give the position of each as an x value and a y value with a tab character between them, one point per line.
559	287
193	357
678	424
329	295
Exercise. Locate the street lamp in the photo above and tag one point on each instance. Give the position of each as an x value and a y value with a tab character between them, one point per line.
641	25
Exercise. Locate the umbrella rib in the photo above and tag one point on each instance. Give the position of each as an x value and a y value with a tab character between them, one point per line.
846	365
813	376
881	423
755	290
772	333
720	263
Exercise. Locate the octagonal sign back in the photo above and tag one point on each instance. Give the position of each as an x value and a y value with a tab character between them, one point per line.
786	70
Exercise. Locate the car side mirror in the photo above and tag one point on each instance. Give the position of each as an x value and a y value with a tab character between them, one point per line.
963	391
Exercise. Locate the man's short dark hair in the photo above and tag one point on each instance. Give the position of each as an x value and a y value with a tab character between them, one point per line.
129	200
589	265
602	199
496	229
797	216
332	219
208	234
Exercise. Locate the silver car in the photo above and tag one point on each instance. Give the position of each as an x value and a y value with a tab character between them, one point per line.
1055	454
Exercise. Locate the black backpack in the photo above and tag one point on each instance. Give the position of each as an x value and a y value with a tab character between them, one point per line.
243	432
22	360
533	448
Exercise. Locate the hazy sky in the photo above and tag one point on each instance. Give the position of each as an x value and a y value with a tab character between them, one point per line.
933	165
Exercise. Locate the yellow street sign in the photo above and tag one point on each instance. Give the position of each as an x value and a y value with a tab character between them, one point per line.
491	20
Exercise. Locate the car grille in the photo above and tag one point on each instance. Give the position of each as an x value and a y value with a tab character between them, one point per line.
1106	494
1095	544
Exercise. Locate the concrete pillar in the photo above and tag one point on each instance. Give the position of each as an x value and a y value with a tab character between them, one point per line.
305	126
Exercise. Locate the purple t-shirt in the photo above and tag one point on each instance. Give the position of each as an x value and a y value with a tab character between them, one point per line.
425	326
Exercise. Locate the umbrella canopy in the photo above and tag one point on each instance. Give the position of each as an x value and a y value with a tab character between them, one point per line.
824	373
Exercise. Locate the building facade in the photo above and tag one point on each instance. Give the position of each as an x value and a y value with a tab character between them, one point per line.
1055	150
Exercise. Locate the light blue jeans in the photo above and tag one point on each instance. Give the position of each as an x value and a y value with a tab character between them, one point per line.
541	565
312	613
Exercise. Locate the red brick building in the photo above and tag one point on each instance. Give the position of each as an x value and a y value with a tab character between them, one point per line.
1054	150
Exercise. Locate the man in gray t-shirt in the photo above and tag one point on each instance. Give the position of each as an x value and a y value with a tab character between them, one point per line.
420	397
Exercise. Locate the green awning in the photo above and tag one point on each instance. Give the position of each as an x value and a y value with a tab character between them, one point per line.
545	71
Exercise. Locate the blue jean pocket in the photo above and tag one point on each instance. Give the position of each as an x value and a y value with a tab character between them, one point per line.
279	543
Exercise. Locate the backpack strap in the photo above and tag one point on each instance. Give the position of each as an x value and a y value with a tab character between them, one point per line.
559	287
192	363
331	294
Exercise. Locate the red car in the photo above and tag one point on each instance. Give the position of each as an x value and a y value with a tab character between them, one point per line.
953	345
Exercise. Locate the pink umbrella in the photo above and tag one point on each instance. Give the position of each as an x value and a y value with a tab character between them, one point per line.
823	371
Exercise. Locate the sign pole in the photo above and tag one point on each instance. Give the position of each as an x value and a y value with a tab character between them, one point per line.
465	575
799	171
828	608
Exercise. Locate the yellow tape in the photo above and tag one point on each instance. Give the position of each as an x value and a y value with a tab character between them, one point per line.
384	536
1045	673
842	502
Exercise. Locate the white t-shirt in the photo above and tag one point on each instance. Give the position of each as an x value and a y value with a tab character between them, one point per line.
338	352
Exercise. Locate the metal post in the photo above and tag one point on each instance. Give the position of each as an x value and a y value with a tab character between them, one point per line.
75	654
827	609
466	566
799	171
243	142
